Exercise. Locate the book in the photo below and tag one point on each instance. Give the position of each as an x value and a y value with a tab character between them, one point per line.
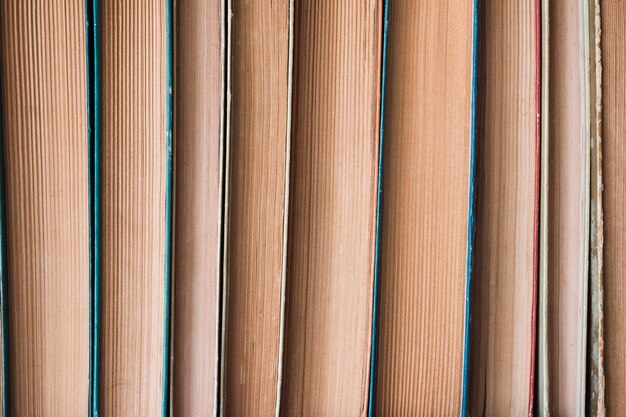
504	277
332	208
46	195
256	197
134	139
425	209
199	141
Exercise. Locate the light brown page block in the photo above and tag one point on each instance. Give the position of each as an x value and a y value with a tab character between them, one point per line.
199	92
614	157
424	209
44	119
502	293
133	105
331	237
256	212
568	208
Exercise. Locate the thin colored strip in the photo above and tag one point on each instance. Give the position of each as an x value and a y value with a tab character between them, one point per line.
378	203
283	279
168	206
595	404
220	267
543	375
4	300
228	15
586	138
93	41
90	129
470	220
531	390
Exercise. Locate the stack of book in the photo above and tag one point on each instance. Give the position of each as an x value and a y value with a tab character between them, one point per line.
312	208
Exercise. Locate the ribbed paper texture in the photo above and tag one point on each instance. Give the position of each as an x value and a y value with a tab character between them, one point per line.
133	174
44	95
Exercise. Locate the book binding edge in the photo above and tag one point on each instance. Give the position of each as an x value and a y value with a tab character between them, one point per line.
168	204
595	400
93	103
470	218
543	381
379	191
4	308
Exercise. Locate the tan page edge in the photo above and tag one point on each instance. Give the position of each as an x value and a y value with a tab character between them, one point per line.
585	221
595	396
283	279
228	19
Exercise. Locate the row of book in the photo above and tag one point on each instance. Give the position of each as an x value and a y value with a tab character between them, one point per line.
312	208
